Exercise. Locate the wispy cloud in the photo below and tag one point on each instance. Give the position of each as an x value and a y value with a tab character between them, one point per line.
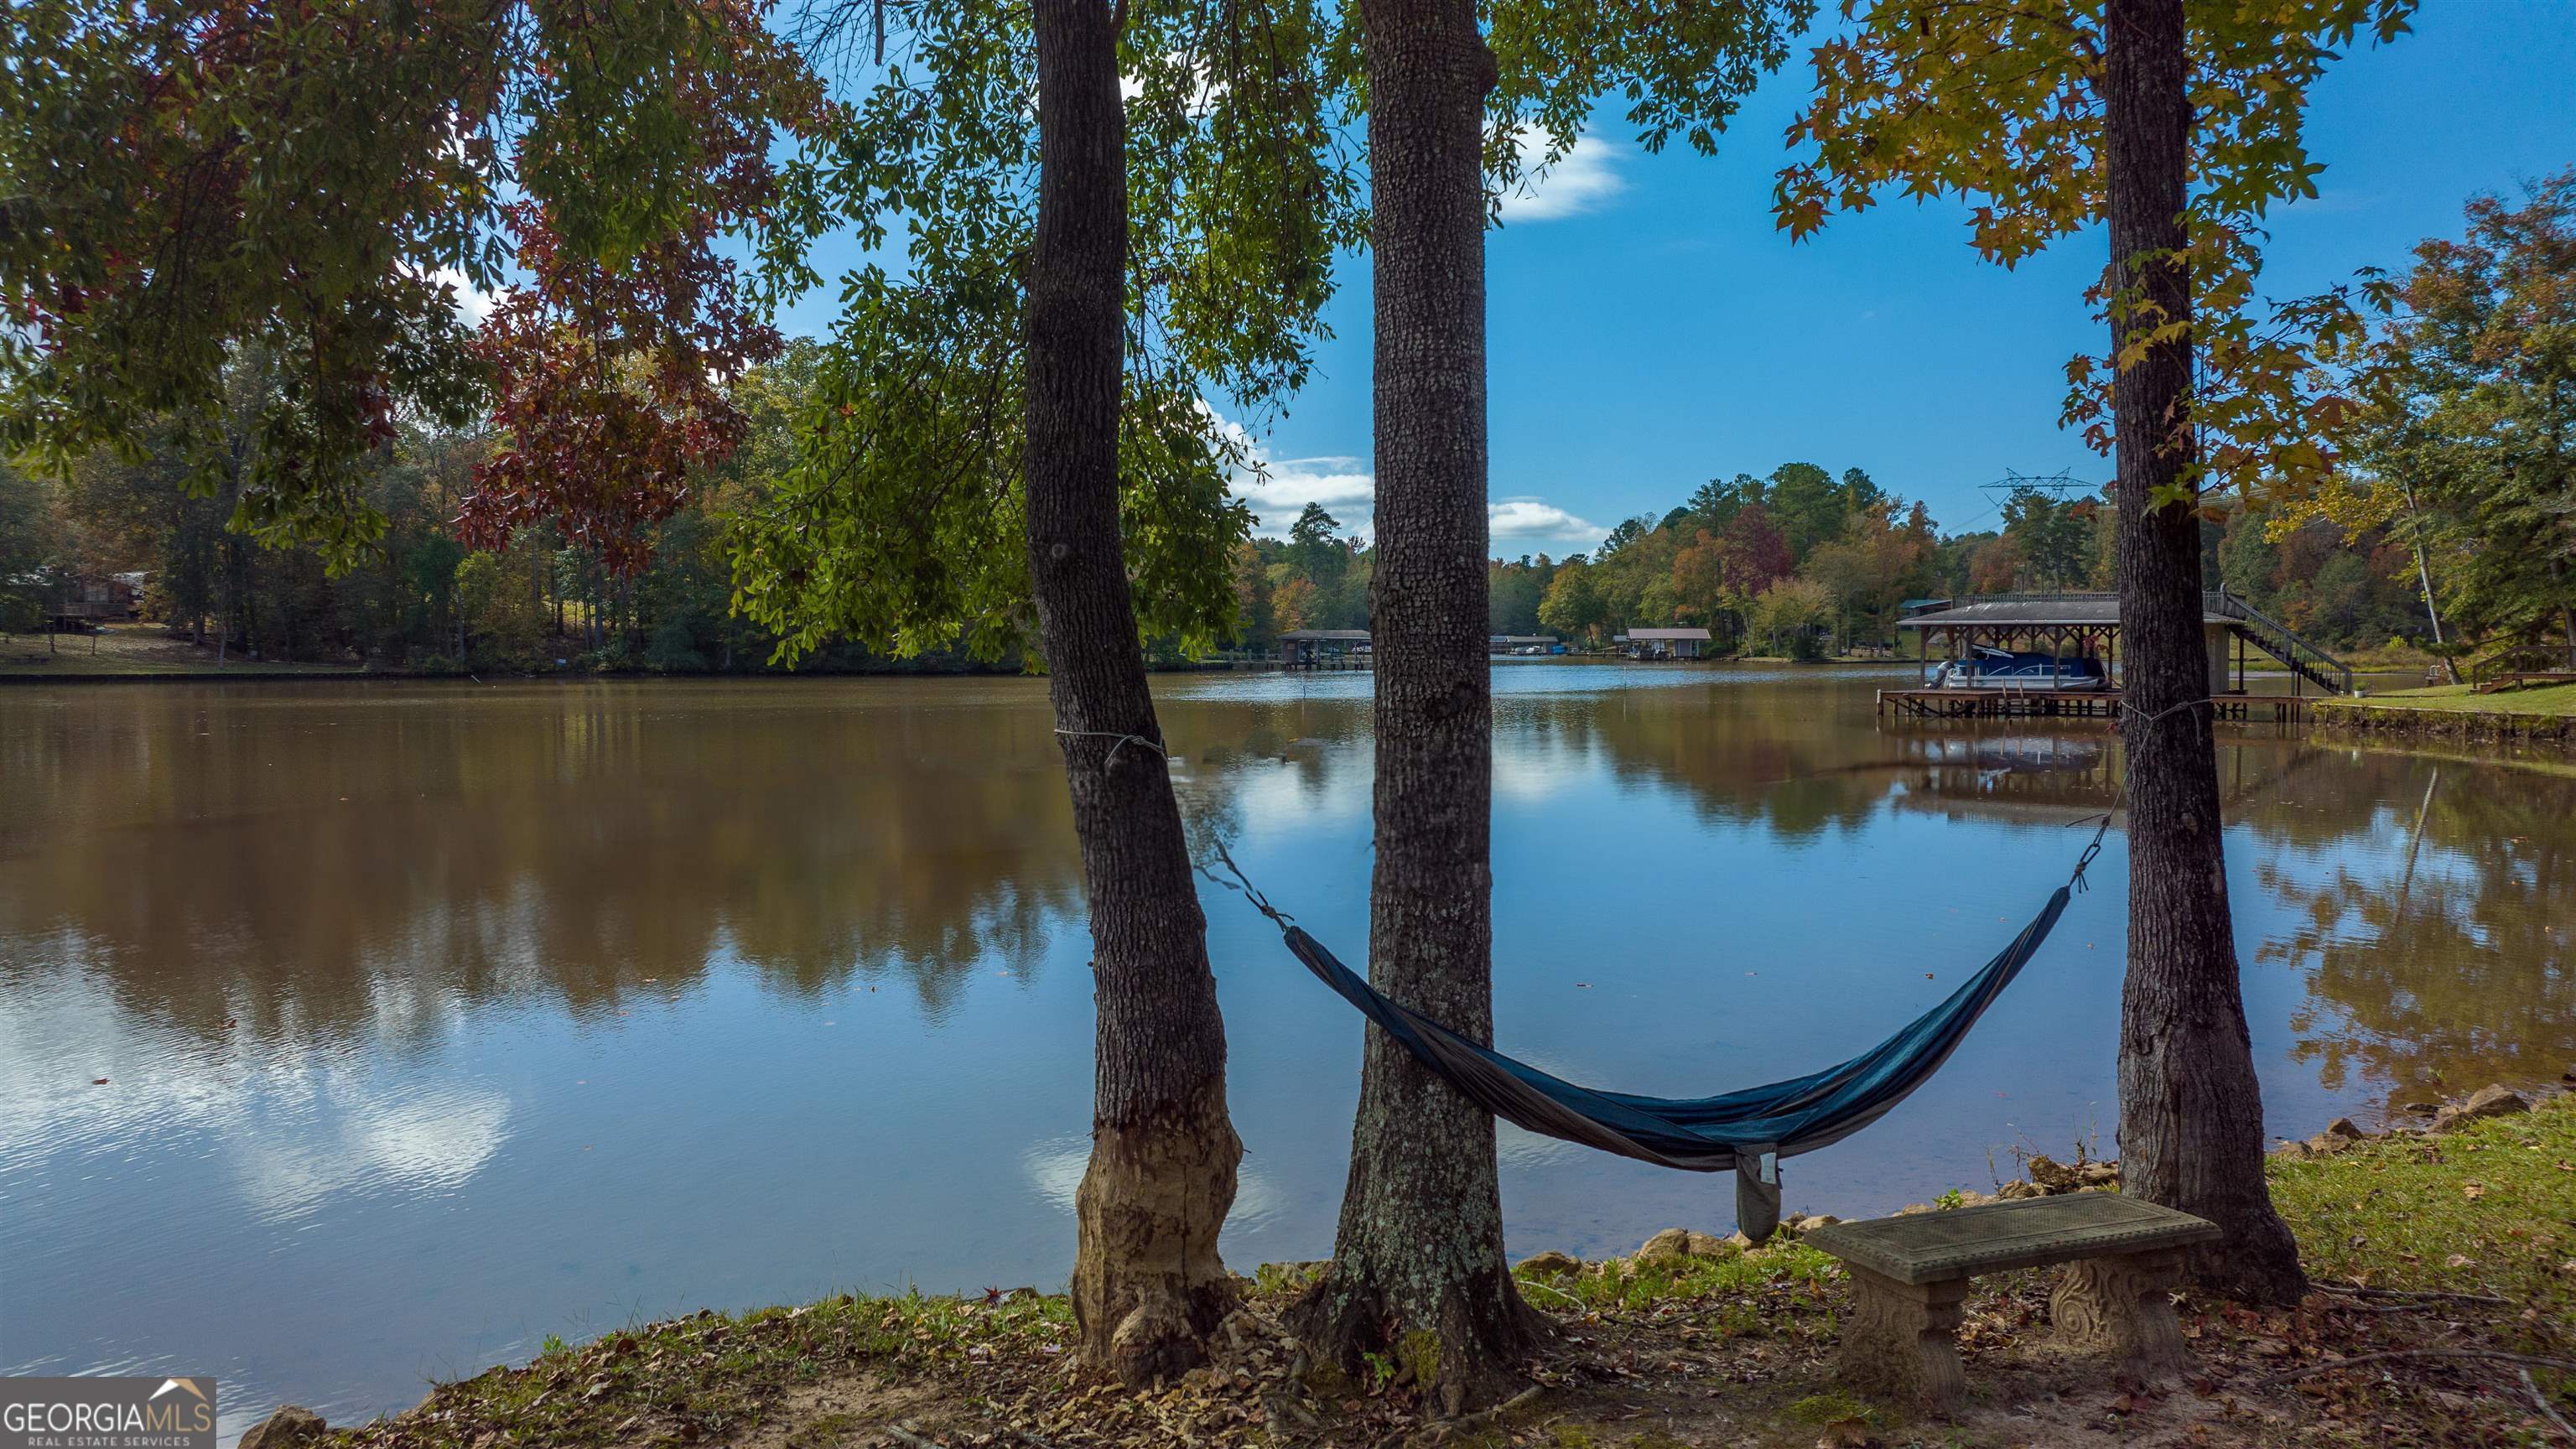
1585	178
1278	490
1284	486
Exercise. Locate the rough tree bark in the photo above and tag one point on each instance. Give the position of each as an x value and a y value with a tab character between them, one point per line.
1418	1266
1147	1284
2191	1116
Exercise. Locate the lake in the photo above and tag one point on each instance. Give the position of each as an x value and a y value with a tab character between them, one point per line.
440	1019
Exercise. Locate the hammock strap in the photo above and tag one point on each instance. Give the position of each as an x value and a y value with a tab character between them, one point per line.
1757	1191
1242	885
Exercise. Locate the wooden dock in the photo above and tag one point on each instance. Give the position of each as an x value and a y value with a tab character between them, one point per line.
2069	704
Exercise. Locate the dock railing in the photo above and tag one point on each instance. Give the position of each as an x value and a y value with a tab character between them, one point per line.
2278	640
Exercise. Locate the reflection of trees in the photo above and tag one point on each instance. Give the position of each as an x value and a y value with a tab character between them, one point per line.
328	860
1744	751
296	859
2445	954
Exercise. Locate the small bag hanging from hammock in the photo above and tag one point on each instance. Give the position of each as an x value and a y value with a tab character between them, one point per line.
1748	1131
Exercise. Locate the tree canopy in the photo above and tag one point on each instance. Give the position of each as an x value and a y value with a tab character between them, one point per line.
316	182
2001	104
2463	437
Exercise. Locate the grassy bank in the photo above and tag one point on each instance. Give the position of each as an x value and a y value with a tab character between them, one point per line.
1713	1345
2387	658
2544	716
139	651
2557	700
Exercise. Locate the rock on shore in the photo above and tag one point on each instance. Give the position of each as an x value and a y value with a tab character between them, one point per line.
290	1427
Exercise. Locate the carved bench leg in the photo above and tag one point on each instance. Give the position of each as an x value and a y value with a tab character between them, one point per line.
2124	1306
1898	1342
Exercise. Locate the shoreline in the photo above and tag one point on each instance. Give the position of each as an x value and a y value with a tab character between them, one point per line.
336	674
2388	717
2422	1241
207	673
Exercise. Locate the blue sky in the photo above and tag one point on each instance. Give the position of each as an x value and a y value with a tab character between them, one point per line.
1649	329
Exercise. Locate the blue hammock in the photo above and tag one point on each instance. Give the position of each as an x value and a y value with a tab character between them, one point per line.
1747	1131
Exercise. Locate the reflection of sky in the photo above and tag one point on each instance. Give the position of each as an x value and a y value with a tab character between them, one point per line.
1704	879
1055	1167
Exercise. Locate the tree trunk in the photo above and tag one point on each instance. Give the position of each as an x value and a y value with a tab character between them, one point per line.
2566	611
2191	1116
2424	576
1147	1284
1418	1260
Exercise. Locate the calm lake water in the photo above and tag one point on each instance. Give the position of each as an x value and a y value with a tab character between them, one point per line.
438	1020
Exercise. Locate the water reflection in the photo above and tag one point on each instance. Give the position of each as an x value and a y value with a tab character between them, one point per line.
2440	957
326	863
439	1019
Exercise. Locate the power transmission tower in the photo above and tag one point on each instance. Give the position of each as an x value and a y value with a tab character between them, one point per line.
2061	484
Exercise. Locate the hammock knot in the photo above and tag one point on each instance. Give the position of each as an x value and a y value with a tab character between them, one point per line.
1242	885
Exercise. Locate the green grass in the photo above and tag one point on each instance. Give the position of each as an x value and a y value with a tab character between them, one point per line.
710	1375
1782	1262
2488	1209
2555	700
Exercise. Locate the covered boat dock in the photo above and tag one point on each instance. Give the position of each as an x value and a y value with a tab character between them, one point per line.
2087	626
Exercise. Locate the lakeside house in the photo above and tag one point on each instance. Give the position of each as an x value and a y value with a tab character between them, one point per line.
73	601
1322	648
1664	643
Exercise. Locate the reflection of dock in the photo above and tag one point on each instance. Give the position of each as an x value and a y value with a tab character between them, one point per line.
2067	704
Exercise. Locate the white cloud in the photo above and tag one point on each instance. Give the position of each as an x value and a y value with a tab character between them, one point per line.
473	304
1584	179
1278	490
1284	486
1532	518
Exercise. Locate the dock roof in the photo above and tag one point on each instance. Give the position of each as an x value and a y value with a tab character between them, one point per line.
2044	611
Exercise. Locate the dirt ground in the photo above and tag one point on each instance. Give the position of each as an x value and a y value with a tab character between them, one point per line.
1725	1368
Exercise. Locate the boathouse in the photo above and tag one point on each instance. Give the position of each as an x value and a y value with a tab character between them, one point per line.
1666	643
1322	648
2087	626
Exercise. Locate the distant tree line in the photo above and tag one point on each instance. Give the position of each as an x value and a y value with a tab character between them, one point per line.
659	597
1803	563
1798	563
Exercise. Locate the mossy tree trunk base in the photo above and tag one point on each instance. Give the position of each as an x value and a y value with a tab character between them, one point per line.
1465	1349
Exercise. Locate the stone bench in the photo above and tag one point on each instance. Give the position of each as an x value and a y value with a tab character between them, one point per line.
1909	1275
